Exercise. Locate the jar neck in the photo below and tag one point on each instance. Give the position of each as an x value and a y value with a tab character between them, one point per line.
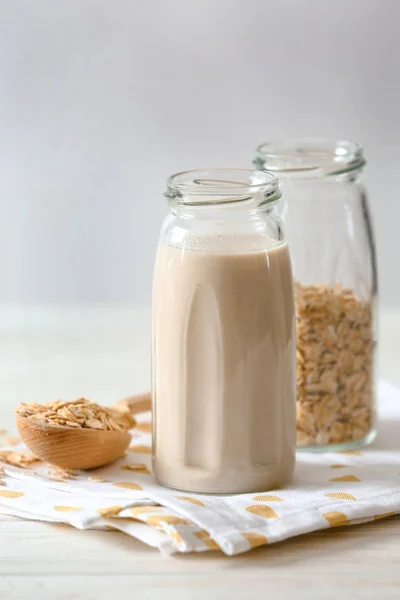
349	176
217	190
326	180
220	213
311	159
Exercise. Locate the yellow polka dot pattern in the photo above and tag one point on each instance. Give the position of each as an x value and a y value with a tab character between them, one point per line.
170	519
255	539
109	511
341	496
60	508
176	536
191	500
267	498
138	467
138	511
262	510
129	485
351	478
204	536
384	516
159	518
336	519
11	494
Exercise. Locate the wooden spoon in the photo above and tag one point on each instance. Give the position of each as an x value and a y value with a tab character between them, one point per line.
73	448
136	404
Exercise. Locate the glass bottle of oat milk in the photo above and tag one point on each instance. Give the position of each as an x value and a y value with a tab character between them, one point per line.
223	336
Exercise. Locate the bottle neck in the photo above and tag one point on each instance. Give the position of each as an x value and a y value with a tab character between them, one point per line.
222	189
223	212
311	159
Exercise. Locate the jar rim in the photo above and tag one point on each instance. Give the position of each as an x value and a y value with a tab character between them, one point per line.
309	157
200	187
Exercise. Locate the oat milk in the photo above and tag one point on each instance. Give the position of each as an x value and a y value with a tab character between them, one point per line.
224	364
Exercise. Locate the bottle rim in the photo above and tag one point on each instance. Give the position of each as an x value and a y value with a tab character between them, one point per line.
309	157
207	187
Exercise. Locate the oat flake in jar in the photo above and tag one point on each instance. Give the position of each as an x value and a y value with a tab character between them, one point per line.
329	231
223	336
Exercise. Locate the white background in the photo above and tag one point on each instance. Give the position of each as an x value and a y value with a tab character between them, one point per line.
101	100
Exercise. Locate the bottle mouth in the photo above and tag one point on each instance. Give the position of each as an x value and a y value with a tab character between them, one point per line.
222	186
309	157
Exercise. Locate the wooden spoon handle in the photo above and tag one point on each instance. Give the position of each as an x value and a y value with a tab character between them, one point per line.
136	404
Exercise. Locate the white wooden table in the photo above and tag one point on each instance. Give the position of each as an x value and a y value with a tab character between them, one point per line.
103	353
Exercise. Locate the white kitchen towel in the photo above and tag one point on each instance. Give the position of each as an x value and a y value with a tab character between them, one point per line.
331	489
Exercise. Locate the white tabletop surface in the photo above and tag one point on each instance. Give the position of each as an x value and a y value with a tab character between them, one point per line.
103	353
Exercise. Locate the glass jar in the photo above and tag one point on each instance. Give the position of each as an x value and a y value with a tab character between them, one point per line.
223	336
328	224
